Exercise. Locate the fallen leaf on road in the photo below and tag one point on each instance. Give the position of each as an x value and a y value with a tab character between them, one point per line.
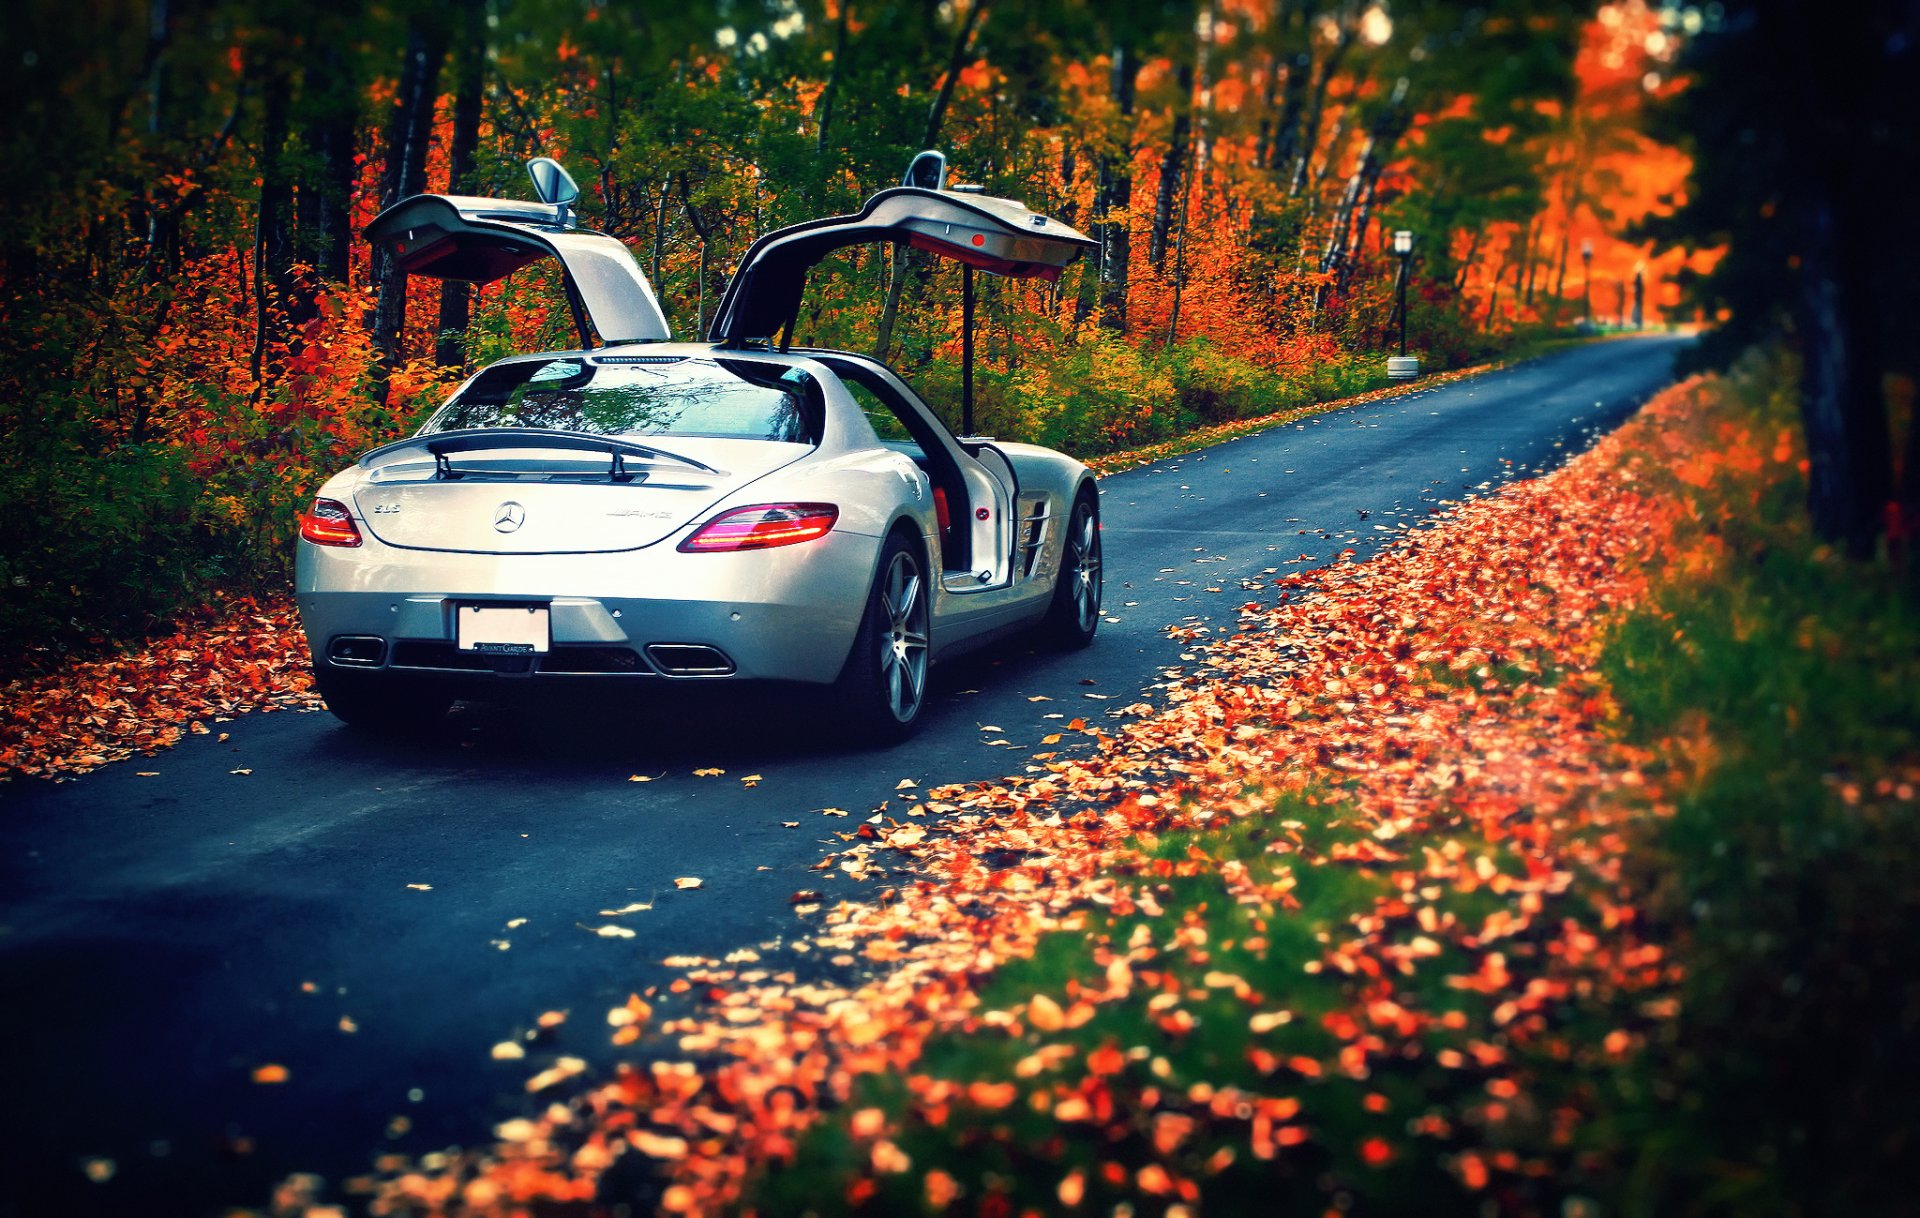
421	887
559	1072
905	784
508	1051
636	907
636	1011
687	881
347	1025
1039	698
270	1074
751	780
609	931
789	824
241	771
146	773
833	811
551	1019
710	772
644	777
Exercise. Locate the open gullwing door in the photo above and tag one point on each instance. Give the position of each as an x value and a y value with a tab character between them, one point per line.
480	240
999	236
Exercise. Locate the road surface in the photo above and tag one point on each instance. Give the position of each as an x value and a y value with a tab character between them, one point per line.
374	916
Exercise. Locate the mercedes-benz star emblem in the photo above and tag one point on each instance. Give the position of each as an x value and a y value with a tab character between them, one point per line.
509	516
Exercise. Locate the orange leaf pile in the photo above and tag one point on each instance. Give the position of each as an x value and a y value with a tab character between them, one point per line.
244	655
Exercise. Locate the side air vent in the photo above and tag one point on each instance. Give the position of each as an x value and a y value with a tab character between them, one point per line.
689	660
357	651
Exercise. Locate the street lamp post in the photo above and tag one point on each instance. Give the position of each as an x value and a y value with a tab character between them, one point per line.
1403	367
1586	282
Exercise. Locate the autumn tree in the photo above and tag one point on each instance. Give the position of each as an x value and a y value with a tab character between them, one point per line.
1799	115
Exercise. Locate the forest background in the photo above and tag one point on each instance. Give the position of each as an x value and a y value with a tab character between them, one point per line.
192	335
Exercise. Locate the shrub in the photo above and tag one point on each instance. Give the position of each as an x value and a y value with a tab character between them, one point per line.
96	541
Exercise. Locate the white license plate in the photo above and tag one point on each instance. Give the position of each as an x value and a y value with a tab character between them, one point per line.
504	630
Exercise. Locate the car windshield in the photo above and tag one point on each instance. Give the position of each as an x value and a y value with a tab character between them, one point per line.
643	396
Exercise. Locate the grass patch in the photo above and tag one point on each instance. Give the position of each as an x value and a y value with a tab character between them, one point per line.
1218	1074
1781	683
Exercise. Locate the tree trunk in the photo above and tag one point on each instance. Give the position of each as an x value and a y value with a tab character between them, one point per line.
1303	160
936	116
1842	404
660	229
1466	264
1525	283
833	78
1560	267
1293	100
327	196
1115	235
408	129
1172	166
1201	102
273	255
470	66
705	232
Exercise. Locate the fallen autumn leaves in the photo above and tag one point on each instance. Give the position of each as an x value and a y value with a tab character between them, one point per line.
245	655
1306	932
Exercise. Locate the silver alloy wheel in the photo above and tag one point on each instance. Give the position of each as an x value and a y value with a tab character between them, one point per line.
1083	565
903	643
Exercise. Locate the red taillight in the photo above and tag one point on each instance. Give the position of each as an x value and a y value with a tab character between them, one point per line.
329	523
763	526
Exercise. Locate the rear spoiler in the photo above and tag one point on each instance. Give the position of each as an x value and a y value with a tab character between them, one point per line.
443	445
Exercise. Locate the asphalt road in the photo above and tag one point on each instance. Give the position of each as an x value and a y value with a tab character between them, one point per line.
341	910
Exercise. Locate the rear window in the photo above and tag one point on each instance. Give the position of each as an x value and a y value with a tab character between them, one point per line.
717	399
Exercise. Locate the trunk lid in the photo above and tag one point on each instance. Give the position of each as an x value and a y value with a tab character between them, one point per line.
523	499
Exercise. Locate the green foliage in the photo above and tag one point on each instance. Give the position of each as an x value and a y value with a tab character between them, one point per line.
96	541
1786	687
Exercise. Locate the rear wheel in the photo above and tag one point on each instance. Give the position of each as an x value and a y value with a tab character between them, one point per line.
378	702
1074	615
884	684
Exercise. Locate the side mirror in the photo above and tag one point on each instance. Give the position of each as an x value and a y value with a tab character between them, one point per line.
553	184
928	171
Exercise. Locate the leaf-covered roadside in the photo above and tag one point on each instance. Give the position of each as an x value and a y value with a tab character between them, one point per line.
237	656
1339	924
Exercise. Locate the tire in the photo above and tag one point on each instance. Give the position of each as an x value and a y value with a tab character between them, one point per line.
883	686
1073	617
374	702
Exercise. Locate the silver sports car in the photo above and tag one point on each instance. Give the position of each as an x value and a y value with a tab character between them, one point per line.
648	510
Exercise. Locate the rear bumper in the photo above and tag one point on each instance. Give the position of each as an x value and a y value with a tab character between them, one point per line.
787	614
